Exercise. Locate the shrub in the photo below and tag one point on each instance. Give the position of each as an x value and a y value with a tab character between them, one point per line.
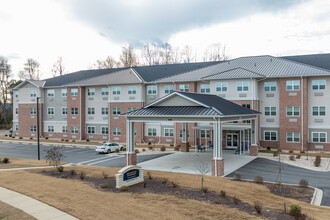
124	188
62	139
149	175
223	193
149	143
87	140
117	150
298	156
295	211
124	148
12	136
175	185
105	175
290	151
54	156
46	138
317	161
268	148
82	175
5	160
218	201
275	154
60	169
66	140
236	200
303	183
105	185
73	172
258	179
31	138
137	151
291	157
163	148
258	206
6	135
177	147
237	177
9	135
171	145
143	149
205	189
302	151
150	148
73	140
20	137
279	150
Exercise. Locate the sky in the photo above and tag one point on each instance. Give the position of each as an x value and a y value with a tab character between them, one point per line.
82	31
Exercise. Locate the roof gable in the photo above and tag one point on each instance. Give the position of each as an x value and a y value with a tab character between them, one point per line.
35	83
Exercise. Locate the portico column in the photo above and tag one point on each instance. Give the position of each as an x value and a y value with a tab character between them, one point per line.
254	138
185	143
217	161
130	156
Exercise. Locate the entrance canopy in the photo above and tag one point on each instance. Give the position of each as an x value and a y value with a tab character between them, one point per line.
186	108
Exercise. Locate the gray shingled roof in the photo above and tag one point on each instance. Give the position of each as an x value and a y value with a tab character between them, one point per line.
263	65
318	60
239	73
213	106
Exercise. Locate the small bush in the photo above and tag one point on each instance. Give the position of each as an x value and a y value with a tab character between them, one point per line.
137	151
82	175
73	172
117	150
9	135
275	154
87	140
31	138
149	175
236	200
5	160
291	157
218	201
105	175
124	188
290	151
66	140
124	148
143	149
268	148
46	138
302	151
258	179
295	211
223	193
60	169
205	189
105	185
73	140
150	148
13	137
298	156
171	145
149	143
20	137
62	139
258	206
175	185
303	183
177	147
163	148
6	135
237	177
317	161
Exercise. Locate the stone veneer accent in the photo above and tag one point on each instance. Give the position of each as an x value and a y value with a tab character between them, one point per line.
218	165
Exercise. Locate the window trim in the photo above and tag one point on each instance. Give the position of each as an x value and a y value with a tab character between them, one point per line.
116	90
220	85
50	108
319	138
66	110
115	131
94	128
76	131
184	87
75	113
33	93
292	111
169	90
169	132
318	84
74	92
106	92
35	111
34	128
52	129
270	131
107	110
91	92
318	111
48	93
66	93
154	131
270	111
270	87
116	112
107	127
207	88
292	137
292	85
242	85
91	111
131	90
65	129
152	86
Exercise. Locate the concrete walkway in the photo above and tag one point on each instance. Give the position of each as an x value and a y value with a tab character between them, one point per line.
33	207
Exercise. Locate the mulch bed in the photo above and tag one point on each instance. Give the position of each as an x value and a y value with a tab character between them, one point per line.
164	186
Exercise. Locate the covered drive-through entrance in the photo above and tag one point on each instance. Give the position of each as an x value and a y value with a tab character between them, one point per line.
213	111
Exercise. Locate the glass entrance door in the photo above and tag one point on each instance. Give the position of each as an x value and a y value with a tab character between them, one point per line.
232	140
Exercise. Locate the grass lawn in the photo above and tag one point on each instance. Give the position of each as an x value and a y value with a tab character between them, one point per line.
8	212
314	154
18	162
84	201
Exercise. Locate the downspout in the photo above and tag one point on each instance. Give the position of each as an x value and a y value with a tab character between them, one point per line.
80	113
302	113
109	114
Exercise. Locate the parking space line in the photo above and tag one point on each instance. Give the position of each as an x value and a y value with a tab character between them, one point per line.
104	160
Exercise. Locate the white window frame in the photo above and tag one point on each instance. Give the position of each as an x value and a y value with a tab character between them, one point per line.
50	128
16	111
270	111
129	109
131	90
205	88
104	130
65	111
168	89
116	90
270	86
90	130
180	133
116	131
244	85
169	132
16	127
293	111
91	91
73	112
116	111
90	111
33	128
50	93
319	137
293	137
221	86
184	87
152	131
319	110
318	84
49	108
270	135
104	111
74	130
204	133
16	94
152	90
105	91
74	92
64	129
33	93
34	112
292	84
64	92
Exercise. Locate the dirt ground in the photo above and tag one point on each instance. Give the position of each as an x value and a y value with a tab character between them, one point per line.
8	212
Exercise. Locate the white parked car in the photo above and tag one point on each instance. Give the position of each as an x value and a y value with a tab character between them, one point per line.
108	148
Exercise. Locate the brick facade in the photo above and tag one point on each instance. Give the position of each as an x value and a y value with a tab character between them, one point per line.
25	120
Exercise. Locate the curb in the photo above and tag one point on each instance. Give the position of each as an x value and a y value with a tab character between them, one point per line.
50	144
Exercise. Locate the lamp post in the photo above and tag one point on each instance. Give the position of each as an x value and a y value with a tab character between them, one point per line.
38	127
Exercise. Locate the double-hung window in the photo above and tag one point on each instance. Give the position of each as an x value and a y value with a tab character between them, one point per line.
132	90
33	93
64	110
50	128
33	128
104	110
293	137
50	110
270	86
74	92
184	87
318	110
50	93
221	86
91	91
319	137
33	111
169	89
64	92
152	90
152	132
181	134
270	111
270	135
74	111
205	88
292	85
104	130
116	131
16	94
74	130
318	84
64	129
90	130
116	110
169	132
293	110
131	109
242	86
91	111
205	133
104	91
116	90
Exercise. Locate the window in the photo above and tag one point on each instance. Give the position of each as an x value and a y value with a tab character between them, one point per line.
152	132
64	129
74	130
169	132
90	130
116	90
74	111
33	93
16	127
292	85
270	111
50	93
91	91
91	111
64	110
134	131
116	111
33	111
246	106
131	109
318	84
50	110
152	90
270	135
184	87
270	86
293	111
64	92
104	130
169	89
132	90
242	86
205	88
293	137
104	111
50	128
104	91
221	86
205	133
320	137
16	94
16	111
33	128
318	110
74	92
180	133
116	131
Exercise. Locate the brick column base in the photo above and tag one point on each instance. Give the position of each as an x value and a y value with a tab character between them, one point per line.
218	169
131	160
185	147
254	150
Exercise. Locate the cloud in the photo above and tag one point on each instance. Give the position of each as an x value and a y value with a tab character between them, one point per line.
140	21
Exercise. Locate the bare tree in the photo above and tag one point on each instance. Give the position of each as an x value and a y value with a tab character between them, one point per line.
151	53
31	70
58	68
128	57
5	74
176	55
166	53
108	63
203	169
54	156
216	52
187	54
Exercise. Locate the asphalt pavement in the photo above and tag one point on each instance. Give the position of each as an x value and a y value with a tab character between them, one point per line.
268	170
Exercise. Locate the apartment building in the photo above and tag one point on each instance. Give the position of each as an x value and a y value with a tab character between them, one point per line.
290	92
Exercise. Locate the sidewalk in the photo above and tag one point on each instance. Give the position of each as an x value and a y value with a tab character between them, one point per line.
31	206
